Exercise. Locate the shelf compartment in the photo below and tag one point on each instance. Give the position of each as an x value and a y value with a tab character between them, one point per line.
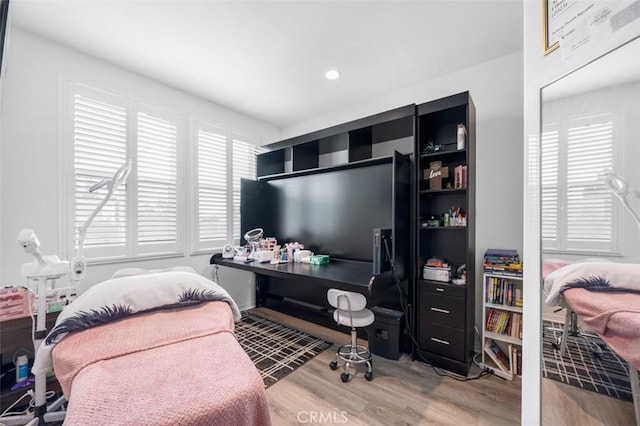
355	164
503	307
445	155
442	191
270	163
502	337
305	156
451	228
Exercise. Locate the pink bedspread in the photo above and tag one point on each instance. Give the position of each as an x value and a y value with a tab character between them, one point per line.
169	367
615	317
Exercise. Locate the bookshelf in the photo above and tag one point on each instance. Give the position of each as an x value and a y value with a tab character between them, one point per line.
445	228
502	323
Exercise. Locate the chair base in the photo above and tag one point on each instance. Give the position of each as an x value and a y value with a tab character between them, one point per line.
352	356
570	330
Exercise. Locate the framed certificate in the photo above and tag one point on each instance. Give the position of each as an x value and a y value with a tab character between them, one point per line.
550	37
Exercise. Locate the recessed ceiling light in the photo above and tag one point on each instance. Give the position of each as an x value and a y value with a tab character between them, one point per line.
332	74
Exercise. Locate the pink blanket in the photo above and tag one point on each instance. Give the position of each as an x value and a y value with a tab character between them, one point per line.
615	317
173	367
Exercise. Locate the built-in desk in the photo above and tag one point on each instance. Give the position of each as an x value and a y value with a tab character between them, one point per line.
342	274
304	286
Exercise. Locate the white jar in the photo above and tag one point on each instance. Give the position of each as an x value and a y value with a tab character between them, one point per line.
462	132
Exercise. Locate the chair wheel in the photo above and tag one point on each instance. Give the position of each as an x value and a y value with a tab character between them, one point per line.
333	365
368	375
344	377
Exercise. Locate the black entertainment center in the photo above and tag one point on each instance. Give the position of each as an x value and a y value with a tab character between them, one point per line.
342	191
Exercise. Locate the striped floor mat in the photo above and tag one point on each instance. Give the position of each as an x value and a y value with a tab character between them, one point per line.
606	374
275	349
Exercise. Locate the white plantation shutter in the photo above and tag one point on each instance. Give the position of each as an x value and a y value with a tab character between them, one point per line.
156	167
549	186
590	214
243	166
578	212
99	133
143	217
212	201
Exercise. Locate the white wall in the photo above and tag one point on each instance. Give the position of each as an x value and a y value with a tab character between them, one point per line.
3	71
30	169
539	71
496	90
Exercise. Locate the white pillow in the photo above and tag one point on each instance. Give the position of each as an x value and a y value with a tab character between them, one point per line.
127	272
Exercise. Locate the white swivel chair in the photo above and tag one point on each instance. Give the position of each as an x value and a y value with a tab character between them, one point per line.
351	312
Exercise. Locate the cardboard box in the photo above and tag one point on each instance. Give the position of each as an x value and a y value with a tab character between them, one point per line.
14	302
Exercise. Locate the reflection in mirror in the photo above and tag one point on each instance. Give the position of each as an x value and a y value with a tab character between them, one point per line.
590	201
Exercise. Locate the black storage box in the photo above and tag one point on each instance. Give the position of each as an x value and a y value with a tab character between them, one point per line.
385	332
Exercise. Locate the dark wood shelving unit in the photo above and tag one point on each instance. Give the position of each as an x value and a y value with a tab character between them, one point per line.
367	138
441	314
445	312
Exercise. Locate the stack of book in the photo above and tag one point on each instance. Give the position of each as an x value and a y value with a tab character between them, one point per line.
509	362
503	262
460	177
497	355
503	291
503	322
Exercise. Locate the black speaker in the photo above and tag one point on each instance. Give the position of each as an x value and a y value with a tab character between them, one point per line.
380	258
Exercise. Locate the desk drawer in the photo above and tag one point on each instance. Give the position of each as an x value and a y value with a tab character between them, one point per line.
443	289
443	341
442	310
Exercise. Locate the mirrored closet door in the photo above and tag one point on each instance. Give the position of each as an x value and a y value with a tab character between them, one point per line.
590	178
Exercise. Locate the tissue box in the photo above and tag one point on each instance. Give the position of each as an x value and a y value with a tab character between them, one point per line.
319	259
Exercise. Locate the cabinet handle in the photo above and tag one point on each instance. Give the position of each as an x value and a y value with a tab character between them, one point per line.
442	311
444	342
439	289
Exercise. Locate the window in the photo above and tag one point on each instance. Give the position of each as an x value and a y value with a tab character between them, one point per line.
212	206
578	212
244	167
156	163
222	159
143	217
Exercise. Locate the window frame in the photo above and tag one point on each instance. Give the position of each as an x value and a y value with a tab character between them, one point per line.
132	251
231	135
562	244
198	246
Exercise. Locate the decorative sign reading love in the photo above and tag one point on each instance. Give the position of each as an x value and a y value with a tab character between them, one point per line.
435	173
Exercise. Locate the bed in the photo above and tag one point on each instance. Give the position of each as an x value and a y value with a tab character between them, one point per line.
606	297
160	351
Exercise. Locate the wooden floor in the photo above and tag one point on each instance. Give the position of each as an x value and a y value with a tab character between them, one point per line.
411	393
565	405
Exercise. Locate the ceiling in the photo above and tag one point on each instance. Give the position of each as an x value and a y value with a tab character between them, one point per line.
267	59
